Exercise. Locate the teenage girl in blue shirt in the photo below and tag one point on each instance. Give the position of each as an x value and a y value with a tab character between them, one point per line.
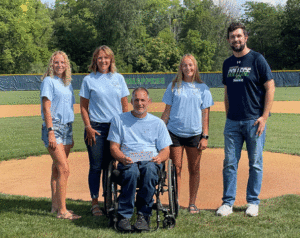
103	95
57	99
188	102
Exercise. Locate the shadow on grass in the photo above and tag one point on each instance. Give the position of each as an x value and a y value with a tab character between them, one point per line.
239	209
20	207
41	207
22	216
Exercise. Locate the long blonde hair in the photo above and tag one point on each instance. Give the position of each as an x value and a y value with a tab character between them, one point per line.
179	77
94	67
66	77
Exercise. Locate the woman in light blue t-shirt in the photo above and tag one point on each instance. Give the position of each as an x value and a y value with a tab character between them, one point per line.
188	102
103	95
57	99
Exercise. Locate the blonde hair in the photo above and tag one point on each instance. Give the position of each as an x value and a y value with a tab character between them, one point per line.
94	67
179	77
66	77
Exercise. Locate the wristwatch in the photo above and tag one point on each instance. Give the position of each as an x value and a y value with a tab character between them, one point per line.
50	129
204	136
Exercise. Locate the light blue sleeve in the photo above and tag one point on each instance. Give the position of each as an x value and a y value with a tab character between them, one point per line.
114	133
125	91
47	89
168	95
73	96
206	98
84	90
164	139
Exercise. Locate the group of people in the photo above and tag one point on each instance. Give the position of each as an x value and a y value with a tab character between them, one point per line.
111	132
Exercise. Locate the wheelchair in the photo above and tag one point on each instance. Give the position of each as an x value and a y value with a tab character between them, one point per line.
167	183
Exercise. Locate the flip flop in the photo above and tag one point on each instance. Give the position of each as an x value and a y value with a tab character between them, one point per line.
192	209
54	211
96	211
68	216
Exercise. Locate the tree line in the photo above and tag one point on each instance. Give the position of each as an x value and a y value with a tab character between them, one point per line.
145	35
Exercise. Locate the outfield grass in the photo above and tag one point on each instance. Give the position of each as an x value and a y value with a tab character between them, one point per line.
32	97
20	137
29	217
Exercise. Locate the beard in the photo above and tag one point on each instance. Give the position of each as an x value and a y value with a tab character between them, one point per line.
238	49
139	112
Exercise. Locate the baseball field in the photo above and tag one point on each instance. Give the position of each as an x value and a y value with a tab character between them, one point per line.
25	170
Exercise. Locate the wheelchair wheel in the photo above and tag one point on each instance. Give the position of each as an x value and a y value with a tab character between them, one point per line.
172	189
108	189
169	222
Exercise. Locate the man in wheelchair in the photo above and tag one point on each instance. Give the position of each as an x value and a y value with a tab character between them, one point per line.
140	142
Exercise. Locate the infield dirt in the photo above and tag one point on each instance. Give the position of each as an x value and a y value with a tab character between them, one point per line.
35	110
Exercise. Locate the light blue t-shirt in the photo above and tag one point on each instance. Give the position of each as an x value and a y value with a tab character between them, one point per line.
139	134
187	103
104	92
61	97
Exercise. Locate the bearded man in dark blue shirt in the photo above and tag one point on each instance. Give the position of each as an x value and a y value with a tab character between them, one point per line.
249	93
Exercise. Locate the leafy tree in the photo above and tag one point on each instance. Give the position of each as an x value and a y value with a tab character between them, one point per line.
25	29
160	14
75	31
120	24
211	24
155	16
202	50
191	4
158	56
82	25
291	35
167	36
264	23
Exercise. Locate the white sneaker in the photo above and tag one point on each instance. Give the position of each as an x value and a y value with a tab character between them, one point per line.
224	210
252	210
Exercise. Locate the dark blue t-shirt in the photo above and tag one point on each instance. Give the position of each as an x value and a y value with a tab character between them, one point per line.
245	78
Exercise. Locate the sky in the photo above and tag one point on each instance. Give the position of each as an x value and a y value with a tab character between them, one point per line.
239	3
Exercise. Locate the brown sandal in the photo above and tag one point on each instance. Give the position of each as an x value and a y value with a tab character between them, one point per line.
68	216
192	209
96	211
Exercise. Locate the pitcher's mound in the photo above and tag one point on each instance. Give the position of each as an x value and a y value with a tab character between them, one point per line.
31	177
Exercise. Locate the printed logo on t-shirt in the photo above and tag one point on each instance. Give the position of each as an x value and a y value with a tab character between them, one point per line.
238	73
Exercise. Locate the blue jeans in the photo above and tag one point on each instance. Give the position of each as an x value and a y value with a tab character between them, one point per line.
235	133
99	156
144	175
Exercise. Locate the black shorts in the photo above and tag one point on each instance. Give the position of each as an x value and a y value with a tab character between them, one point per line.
185	141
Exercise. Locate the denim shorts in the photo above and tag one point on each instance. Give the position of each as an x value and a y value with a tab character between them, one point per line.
63	133
177	141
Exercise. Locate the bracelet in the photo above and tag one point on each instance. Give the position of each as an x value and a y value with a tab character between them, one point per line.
88	126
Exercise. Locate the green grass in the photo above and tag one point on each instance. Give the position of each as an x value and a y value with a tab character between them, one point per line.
23	216
282	132
21	137
32	97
